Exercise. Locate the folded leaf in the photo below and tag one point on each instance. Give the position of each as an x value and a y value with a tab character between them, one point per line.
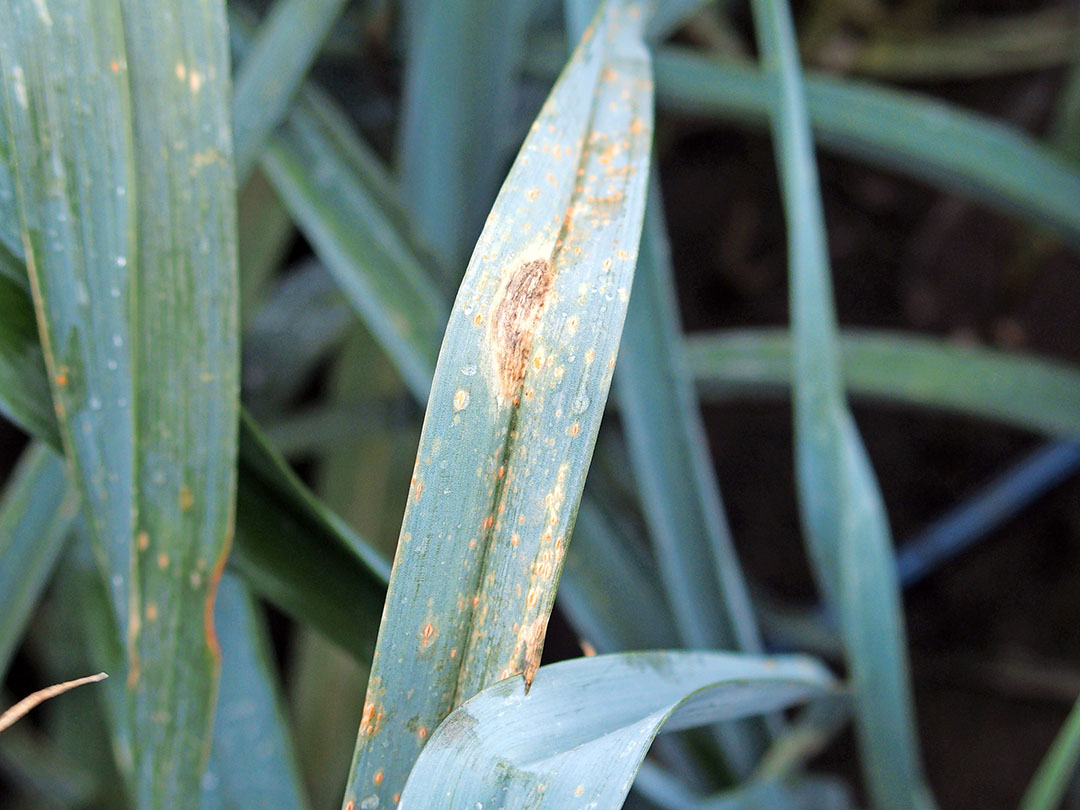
576	739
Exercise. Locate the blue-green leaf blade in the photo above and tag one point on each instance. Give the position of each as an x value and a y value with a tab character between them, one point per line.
1027	391
577	738
36	511
274	66
516	402
843	515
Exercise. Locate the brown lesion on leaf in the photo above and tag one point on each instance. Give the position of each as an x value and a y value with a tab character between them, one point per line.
531	643
514	320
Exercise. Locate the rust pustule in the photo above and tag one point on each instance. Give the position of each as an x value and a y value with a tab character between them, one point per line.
514	320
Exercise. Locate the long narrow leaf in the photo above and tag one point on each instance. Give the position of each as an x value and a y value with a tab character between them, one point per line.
1025	391
35	513
1057	769
678	487
274	66
252	763
578	737
942	144
949	147
516	401
137	308
457	96
844	519
330	586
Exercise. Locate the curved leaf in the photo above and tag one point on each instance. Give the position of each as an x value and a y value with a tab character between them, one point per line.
843	516
577	738
515	405
1026	391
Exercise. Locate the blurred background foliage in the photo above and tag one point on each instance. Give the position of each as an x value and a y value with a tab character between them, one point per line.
951	195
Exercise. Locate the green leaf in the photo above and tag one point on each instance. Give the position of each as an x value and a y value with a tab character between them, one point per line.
1057	769
36	511
949	147
1025	391
579	736
676	480
252	763
516	402
137	308
10	240
24	384
358	242
936	142
78	233
329	586
459	78
251	759
265	234
274	66
601	571
847	531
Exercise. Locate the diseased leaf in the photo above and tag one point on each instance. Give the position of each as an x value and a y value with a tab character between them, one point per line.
942	144
516	401
129	223
577	738
252	763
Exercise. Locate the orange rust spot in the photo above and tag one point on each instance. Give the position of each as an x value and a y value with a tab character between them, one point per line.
422	734
419	489
501	472
489	521
453	653
114	66
397	798
163	561
378	777
428	634
151	612
515	317
142	541
187	500
587	649
476	601
351	805
211	597
61	379
479	319
574	429
515	538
